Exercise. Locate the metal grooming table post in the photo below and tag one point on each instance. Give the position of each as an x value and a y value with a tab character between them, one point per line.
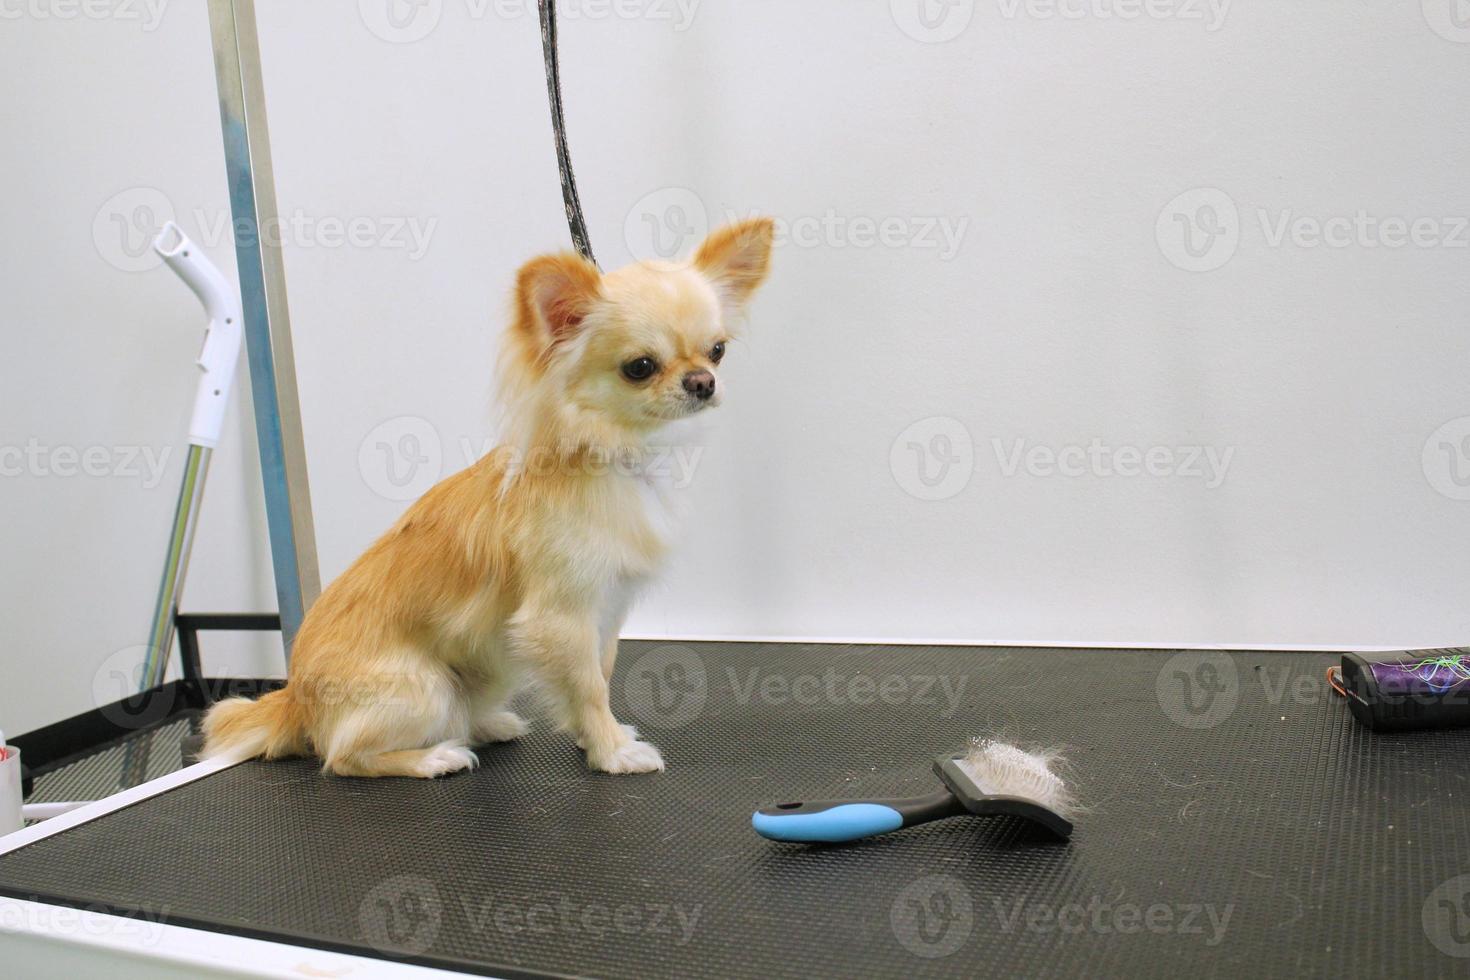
263	300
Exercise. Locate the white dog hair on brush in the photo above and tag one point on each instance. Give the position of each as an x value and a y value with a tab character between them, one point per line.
1001	769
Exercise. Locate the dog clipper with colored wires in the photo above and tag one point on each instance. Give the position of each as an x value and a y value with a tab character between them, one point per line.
991	779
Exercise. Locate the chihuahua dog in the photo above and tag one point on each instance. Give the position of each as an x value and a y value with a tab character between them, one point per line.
522	566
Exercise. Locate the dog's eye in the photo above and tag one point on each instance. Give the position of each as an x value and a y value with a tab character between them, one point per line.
717	352
640	369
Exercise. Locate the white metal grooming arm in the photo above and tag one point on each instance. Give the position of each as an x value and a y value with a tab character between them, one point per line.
216	363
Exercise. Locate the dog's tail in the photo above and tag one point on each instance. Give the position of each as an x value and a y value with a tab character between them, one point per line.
238	728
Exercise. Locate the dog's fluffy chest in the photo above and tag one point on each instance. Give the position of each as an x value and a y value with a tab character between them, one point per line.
638	521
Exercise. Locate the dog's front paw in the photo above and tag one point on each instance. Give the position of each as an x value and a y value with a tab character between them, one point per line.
628	730
629	757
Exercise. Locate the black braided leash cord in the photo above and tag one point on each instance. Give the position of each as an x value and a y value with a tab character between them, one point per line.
576	223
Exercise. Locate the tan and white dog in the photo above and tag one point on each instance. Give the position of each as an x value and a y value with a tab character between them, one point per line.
522	566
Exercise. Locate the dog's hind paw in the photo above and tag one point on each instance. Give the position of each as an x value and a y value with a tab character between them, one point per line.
445	758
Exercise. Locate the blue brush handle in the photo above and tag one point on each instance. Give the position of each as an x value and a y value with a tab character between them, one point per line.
838	821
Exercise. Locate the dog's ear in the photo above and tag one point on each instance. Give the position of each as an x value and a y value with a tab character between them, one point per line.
736	258
554	294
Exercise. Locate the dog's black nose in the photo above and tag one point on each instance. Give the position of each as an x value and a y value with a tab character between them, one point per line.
700	384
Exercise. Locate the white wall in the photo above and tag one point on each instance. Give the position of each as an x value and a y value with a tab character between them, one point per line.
1056	150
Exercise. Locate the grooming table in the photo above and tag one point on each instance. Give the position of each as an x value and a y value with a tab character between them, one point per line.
1241	823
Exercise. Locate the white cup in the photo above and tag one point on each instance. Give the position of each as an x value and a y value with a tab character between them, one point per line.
10	818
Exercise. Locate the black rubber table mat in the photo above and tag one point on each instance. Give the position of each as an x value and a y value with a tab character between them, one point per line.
1241	823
